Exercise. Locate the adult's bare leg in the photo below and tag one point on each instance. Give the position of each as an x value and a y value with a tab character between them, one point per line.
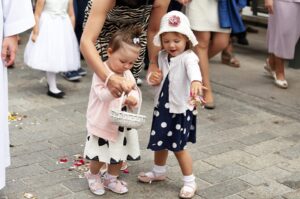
271	60
279	68
202	51
218	43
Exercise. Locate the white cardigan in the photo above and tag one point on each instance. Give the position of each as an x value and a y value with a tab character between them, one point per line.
182	70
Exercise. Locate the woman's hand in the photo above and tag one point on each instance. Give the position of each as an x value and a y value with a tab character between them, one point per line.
117	85
9	49
34	36
269	6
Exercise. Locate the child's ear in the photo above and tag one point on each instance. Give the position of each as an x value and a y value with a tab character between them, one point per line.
109	51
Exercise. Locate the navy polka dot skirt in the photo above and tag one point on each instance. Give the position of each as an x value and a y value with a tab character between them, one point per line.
171	131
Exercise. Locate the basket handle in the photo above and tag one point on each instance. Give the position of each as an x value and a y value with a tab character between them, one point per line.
140	100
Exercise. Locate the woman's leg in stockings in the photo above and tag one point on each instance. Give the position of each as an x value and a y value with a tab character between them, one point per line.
51	79
271	61
279	68
202	52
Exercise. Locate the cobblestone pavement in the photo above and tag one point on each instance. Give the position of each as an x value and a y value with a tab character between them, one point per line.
247	148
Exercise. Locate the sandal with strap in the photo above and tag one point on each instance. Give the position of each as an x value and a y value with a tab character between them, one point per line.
150	177
95	183
115	185
103	169
187	191
230	60
124	166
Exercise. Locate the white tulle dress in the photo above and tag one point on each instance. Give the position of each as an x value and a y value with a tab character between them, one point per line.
56	48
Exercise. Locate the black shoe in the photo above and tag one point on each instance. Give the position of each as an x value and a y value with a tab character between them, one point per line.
243	41
56	95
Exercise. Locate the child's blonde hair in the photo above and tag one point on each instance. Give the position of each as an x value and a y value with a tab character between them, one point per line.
129	36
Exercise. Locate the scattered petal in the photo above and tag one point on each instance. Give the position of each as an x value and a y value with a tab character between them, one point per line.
29	196
81	176
13	116
63	160
78	156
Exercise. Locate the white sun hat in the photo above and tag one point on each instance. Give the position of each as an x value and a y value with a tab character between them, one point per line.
175	21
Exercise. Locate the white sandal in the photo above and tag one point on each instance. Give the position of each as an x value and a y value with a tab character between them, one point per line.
187	191
95	183
115	185
150	177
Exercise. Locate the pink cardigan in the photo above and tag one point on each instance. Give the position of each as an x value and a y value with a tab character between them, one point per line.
99	105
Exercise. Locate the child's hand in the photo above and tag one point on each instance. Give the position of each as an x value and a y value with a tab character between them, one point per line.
196	94
197	89
131	102
154	78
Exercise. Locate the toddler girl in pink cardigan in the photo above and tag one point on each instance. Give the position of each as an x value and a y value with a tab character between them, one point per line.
106	142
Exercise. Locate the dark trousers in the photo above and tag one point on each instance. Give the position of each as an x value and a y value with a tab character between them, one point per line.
79	7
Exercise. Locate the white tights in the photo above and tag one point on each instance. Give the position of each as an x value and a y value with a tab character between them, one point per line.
51	79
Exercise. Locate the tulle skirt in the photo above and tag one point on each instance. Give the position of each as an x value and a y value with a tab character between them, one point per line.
56	48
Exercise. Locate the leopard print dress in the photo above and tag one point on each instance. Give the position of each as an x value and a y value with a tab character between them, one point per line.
126	13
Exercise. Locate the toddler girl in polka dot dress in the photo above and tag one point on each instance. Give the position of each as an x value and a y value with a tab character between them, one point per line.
177	84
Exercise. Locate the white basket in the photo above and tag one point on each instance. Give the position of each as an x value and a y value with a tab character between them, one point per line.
126	119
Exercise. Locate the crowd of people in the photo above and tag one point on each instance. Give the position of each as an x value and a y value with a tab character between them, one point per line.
113	37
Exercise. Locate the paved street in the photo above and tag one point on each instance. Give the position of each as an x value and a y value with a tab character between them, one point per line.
247	148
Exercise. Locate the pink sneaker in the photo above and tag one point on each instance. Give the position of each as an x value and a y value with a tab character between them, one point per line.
95	183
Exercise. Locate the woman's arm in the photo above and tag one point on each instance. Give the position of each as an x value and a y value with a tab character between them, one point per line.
37	14
159	9
93	27
71	13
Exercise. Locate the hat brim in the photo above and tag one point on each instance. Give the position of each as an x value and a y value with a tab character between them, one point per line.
189	34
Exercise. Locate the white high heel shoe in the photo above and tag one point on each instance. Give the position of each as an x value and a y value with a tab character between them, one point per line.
280	83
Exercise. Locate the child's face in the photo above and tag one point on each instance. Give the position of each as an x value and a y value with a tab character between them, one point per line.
173	43
123	58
